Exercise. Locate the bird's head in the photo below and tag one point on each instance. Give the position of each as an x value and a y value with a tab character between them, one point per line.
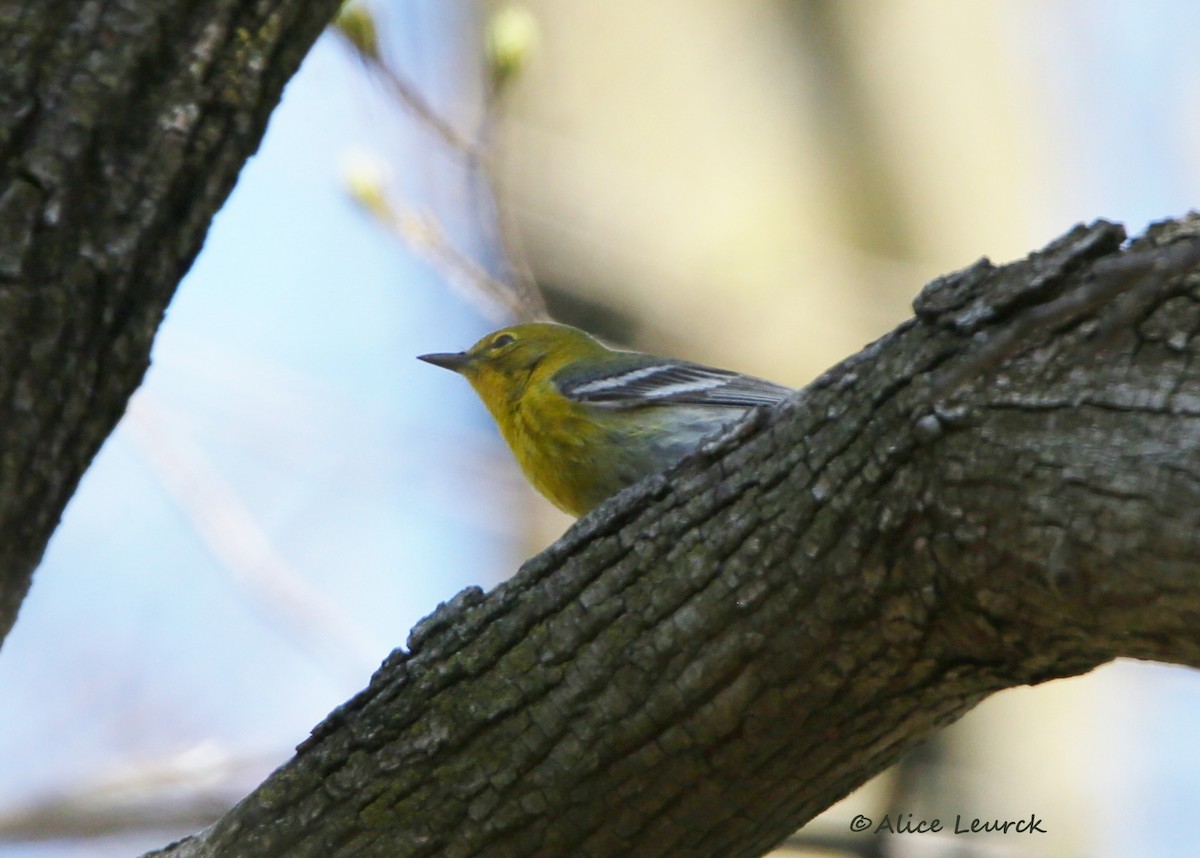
500	365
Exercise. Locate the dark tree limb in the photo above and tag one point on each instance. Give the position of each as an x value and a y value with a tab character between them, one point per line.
123	125
1002	491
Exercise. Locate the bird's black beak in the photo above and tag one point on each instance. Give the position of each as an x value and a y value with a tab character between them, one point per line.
454	361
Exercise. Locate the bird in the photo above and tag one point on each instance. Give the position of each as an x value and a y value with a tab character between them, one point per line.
584	420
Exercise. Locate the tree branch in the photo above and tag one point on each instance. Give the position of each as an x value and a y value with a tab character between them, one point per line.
1004	490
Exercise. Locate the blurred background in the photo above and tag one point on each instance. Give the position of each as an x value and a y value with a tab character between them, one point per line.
758	184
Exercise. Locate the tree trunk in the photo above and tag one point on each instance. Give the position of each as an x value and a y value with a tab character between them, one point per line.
1004	490
122	129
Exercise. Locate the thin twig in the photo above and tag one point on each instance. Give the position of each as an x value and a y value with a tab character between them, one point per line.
408	96
182	792
428	240
520	298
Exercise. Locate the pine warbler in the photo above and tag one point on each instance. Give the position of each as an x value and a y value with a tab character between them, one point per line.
584	421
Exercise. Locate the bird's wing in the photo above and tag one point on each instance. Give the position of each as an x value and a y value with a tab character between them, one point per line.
643	380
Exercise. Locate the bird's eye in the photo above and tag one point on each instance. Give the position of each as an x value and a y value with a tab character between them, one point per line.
503	340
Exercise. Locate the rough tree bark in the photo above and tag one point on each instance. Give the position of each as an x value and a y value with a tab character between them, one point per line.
1004	490
123	126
